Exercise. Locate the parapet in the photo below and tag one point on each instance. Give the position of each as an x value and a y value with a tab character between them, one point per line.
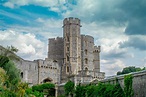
97	49
55	39
71	20
87	38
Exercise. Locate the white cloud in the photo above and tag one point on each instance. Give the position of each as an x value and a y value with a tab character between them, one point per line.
29	46
54	5
111	67
9	4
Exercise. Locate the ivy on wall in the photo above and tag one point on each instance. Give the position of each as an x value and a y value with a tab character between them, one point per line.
101	89
128	91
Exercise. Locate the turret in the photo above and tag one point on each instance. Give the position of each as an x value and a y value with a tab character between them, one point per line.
96	60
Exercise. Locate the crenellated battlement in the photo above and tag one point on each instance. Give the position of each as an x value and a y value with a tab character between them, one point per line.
97	49
71	20
55	39
87	38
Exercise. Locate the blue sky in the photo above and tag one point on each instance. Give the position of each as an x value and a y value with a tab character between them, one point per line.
117	25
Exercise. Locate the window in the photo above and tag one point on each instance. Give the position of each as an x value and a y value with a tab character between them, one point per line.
67	69
86	51
86	61
67	48
21	74
67	38
67	58
86	68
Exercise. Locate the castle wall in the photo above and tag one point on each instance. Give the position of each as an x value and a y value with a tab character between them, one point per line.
35	72
139	83
49	69
56	49
28	71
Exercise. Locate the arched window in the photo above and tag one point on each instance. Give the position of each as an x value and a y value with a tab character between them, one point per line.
86	68
86	61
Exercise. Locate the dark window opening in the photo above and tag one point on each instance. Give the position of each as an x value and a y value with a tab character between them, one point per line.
67	48
21	74
86	68
67	58
86	51
86	61
67	38
67	69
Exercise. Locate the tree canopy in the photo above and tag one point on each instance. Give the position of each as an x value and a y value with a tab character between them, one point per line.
129	70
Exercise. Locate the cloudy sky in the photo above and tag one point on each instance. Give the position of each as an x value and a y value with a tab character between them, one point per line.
118	26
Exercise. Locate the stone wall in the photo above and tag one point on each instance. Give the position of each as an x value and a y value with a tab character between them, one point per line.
56	49
28	71
139	82
35	72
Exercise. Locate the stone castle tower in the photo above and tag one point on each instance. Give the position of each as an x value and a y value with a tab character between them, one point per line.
73	56
76	53
72	45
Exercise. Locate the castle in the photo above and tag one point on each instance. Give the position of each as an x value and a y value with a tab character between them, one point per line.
73	56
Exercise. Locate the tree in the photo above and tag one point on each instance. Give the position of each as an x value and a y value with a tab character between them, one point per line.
80	91
41	90
69	88
129	70
9	52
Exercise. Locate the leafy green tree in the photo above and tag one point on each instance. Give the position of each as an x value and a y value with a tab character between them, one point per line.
41	89
69	88
129	70
80	91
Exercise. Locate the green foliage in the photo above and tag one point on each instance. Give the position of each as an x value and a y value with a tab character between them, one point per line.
30	93
80	91
129	70
128	86
118	91
11	85
91	90
9	52
3	60
69	88
100	90
61	96
46	88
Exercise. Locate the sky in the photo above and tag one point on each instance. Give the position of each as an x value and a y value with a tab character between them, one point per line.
118	26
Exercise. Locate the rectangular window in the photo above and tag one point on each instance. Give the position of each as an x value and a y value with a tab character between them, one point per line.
67	48
67	69
21	74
